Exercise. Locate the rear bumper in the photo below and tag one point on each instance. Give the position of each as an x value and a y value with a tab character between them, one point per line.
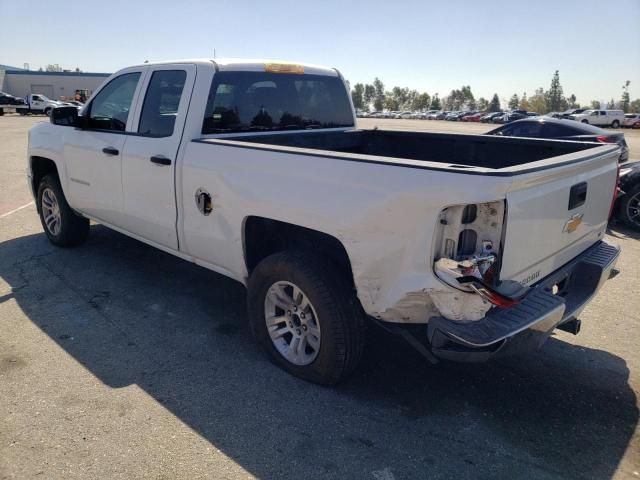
527	325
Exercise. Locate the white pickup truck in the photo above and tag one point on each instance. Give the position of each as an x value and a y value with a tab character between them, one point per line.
468	246
36	103
600	118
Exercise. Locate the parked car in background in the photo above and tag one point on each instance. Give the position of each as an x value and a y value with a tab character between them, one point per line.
490	116
441	115
560	129
457	116
627	206
630	119
510	117
473	117
553	114
573	111
7	99
602	118
405	115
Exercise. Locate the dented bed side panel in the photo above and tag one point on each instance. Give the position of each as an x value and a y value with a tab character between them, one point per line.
384	216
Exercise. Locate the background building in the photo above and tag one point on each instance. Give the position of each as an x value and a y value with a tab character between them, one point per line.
54	85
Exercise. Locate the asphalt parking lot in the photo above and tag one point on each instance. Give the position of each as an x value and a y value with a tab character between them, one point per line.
120	361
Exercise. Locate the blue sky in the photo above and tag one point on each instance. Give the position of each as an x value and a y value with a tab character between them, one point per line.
502	46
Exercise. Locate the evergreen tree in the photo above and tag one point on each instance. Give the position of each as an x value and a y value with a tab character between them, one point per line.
494	104
524	103
624	103
611	105
555	97
378	101
572	102
514	101
595	105
482	104
435	103
357	95
468	100
369	95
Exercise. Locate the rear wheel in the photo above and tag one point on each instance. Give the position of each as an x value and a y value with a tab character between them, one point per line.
629	211
615	124
305	315
585	121
61	224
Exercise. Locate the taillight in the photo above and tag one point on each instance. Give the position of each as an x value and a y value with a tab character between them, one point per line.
493	296
468	244
606	139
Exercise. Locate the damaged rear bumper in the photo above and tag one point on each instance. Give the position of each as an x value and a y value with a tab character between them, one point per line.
527	325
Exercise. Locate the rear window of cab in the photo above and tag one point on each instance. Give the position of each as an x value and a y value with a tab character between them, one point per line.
262	101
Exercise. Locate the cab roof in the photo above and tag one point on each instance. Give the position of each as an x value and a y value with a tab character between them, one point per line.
248	65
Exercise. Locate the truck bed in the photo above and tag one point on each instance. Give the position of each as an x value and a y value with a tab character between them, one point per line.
452	150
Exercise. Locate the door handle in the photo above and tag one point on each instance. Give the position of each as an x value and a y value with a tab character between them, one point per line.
160	160
110	151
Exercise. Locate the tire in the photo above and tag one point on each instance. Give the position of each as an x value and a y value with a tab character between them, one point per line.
585	121
629	208
67	229
615	124
332	306
47	111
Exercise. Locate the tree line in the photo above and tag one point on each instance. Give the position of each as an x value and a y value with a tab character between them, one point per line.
375	97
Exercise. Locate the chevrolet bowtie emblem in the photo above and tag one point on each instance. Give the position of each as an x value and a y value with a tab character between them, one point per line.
573	223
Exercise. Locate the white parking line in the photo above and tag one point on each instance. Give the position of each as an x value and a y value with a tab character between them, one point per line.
16	210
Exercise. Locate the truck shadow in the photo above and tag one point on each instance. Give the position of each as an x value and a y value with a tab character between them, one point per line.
131	314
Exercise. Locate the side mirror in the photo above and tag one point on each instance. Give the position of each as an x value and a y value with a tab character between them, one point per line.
64	116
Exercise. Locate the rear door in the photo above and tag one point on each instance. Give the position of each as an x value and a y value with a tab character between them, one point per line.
149	158
555	214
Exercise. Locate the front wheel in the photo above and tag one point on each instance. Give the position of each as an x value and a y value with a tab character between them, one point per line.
61	224
585	121
305	315
47	111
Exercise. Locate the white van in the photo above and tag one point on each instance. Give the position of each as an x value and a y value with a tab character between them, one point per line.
601	118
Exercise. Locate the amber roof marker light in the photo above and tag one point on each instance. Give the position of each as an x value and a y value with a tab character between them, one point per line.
283	68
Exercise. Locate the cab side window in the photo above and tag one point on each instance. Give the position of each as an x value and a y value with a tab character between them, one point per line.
161	103
109	110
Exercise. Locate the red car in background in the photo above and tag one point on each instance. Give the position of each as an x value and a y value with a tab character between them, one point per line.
474	117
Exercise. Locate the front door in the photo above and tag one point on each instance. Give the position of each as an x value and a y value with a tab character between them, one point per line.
94	154
149	158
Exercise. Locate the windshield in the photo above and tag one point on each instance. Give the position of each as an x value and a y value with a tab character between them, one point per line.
259	101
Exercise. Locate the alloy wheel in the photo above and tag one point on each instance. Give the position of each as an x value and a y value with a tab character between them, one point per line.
292	323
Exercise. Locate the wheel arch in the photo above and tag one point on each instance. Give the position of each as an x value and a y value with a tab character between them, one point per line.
265	236
40	167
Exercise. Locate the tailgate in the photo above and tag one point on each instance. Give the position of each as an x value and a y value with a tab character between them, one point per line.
555	214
